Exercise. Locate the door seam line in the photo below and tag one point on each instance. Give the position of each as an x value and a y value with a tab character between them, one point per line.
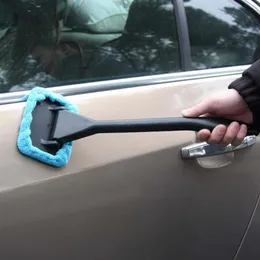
247	229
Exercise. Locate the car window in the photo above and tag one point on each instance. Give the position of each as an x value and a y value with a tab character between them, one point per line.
54	43
222	33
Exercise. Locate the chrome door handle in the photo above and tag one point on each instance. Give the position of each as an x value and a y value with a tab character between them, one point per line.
203	149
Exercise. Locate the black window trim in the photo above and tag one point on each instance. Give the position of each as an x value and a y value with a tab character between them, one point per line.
249	6
183	35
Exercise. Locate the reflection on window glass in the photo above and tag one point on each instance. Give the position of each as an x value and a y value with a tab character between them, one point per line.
222	33
56	42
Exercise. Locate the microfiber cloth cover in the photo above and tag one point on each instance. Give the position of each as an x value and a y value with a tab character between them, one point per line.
24	141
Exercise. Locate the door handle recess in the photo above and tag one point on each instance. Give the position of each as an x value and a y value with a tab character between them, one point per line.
199	150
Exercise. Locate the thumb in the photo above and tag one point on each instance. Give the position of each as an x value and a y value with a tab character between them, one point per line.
197	110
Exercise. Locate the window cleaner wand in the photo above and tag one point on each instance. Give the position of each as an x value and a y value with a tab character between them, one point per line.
55	124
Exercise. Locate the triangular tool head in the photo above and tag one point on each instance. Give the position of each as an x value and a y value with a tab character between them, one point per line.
36	126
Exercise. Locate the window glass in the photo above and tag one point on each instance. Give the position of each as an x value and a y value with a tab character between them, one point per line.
58	42
222	33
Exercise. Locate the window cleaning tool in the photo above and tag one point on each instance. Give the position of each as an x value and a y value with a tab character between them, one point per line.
33	130
50	124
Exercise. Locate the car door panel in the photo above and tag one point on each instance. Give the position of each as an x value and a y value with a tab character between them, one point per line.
160	100
126	196
144	212
249	248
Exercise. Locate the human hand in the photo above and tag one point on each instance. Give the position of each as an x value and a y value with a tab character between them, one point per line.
228	104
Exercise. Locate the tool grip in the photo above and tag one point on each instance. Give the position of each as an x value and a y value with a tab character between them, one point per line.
164	124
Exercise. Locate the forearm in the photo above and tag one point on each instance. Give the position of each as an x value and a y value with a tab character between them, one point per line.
248	86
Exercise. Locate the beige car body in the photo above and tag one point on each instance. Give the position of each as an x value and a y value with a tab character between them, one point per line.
117	189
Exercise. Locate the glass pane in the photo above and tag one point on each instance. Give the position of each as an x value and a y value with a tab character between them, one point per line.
222	33
54	43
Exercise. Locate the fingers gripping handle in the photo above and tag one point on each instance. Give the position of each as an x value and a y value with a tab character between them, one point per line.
211	122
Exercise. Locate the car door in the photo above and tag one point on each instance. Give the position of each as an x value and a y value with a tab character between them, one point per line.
130	196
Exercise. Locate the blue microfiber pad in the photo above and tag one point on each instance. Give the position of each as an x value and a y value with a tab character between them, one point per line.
24	141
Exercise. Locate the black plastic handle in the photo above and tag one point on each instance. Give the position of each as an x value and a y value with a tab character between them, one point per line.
162	124
69	126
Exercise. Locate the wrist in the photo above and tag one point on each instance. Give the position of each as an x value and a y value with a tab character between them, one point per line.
250	94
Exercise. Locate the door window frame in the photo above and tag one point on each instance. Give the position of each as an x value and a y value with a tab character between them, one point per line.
185	63
183	35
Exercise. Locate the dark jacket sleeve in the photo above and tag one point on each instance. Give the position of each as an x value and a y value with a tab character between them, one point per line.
248	86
